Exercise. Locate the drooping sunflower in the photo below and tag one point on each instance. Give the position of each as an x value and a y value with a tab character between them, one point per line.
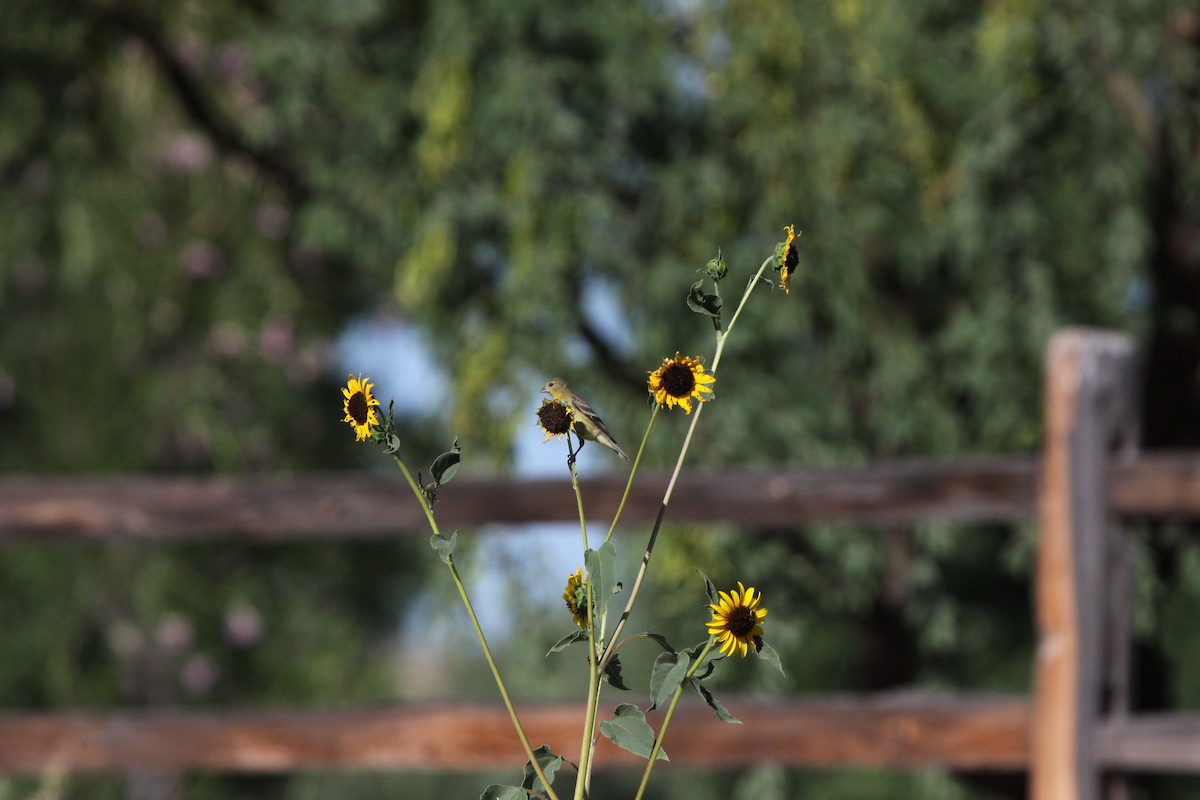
361	407
576	597
737	621
787	259
680	380
555	418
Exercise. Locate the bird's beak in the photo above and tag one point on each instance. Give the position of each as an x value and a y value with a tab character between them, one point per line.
544	391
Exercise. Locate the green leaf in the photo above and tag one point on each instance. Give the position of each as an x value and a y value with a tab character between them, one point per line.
444	466
548	761
628	730
706	667
602	574
444	546
612	673
498	792
702	302
662	640
710	589
669	670
568	640
715	704
768	654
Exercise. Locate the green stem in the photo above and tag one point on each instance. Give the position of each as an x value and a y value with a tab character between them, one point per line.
738	312
586	748
606	656
662	732
487	652
578	496
636	461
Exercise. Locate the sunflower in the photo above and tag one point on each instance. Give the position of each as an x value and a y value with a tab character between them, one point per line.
555	418
787	259
678	380
737	621
361	407
576	596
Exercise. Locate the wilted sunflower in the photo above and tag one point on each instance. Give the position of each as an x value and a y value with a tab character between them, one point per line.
360	406
555	418
576	596
787	259
678	381
737	621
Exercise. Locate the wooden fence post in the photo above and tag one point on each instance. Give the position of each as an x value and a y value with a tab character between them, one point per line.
1082	581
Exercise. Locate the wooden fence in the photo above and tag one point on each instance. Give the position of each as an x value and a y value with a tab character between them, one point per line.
1076	736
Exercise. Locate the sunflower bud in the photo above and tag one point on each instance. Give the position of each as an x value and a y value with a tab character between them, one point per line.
716	268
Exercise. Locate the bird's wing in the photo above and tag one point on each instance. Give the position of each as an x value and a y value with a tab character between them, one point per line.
583	408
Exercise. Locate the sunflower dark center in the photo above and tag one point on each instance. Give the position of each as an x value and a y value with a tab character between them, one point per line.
358	409
741	621
554	418
790	259
678	380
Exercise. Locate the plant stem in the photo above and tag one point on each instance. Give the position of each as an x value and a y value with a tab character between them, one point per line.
587	747
662	731
583	777
578	495
606	656
633	471
487	652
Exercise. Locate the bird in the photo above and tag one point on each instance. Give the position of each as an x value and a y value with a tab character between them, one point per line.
588	424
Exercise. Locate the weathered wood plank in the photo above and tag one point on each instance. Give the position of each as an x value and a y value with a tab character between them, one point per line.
1088	406
368	506
1159	742
967	732
362	505
1158	484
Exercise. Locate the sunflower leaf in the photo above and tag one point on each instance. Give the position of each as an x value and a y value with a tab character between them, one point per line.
710	589
629	731
768	654
702	302
602	574
444	466
444	546
568	640
669	671
662	640
715	704
707	666
548	761
612	673
497	792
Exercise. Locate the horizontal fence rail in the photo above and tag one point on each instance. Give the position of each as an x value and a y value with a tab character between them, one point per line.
957	731
981	733
363	505
370	506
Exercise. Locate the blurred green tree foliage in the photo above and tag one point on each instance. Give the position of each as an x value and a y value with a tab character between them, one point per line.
198	196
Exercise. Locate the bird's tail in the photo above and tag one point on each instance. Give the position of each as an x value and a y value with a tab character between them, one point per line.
608	442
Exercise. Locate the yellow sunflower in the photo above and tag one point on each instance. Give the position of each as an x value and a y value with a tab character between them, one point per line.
787	259
555	418
361	407
678	381
737	621
576	596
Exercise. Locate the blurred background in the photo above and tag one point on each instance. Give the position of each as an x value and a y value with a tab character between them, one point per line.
213	211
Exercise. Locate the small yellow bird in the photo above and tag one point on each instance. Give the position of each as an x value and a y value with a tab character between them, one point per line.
588	424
